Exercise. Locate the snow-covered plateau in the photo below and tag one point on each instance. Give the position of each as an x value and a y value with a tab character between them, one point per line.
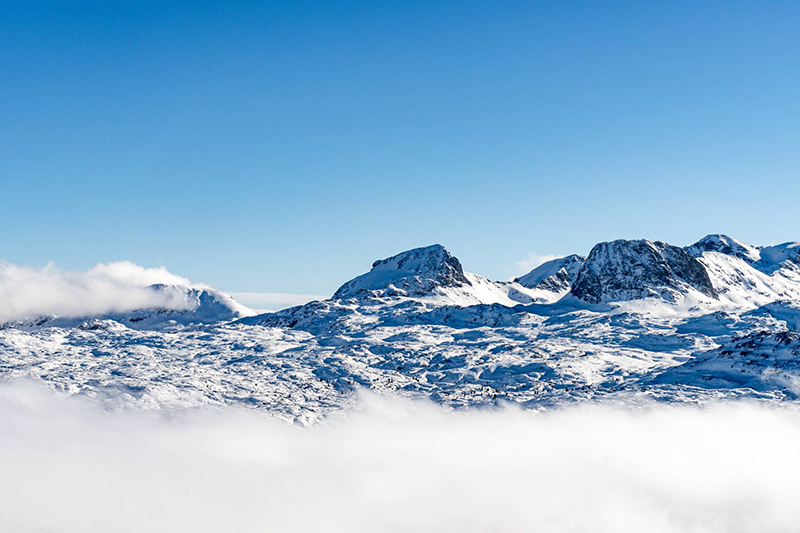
634	322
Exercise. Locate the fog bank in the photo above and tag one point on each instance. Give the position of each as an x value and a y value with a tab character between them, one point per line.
395	465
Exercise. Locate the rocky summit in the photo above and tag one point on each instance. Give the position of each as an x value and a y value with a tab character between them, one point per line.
632	270
413	273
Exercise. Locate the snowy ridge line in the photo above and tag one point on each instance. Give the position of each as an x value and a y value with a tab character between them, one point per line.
633	322
716	272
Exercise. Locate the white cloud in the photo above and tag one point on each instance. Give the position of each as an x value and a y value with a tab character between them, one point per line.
28	292
532	261
131	274
265	301
397	466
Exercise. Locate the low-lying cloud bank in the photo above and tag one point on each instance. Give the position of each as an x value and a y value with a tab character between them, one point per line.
398	466
28	292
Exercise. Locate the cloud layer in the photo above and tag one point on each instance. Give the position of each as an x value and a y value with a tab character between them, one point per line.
27	292
398	466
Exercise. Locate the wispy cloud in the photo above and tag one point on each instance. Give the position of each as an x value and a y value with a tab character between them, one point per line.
397	466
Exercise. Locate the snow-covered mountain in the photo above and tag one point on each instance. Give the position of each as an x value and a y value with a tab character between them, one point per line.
634	270
197	306
431	274
417	272
633	321
724	245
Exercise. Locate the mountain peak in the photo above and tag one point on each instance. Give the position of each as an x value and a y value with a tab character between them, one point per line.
414	272
634	269
725	245
435	252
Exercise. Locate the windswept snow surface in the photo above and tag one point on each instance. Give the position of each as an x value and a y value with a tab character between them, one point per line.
635	322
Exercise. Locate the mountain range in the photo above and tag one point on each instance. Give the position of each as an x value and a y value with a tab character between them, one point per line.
634	321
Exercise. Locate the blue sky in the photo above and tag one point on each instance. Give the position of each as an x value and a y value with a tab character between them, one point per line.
283	146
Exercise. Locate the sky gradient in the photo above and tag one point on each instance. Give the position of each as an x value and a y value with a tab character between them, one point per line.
284	146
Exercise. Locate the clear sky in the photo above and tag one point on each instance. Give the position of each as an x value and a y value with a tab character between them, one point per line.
283	146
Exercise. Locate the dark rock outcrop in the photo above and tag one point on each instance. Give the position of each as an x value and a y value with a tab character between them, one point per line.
629	270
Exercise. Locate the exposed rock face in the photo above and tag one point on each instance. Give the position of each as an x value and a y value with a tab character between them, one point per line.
416	272
724	245
556	275
630	270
